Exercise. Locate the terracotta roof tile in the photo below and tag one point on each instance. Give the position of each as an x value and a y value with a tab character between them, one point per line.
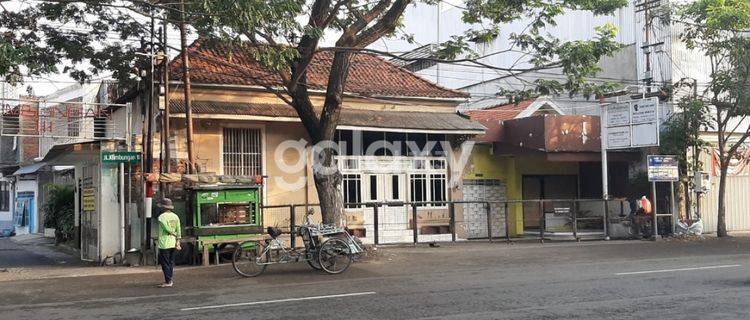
369	75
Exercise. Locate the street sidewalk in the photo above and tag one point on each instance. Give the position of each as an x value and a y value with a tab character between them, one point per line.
50	261
33	256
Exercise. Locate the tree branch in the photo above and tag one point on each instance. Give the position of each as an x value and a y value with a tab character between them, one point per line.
385	25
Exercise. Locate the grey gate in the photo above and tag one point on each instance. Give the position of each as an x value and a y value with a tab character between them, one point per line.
89	216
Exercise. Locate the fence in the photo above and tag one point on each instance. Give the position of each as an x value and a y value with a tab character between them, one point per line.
421	222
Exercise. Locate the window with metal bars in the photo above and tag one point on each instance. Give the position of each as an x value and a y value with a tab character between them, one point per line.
4	196
242	153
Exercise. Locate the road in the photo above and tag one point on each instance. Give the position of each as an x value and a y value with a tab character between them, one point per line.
591	280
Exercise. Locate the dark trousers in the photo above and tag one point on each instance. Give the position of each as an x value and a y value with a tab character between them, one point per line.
166	260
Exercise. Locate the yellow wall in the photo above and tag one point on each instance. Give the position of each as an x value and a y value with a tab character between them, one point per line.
511	169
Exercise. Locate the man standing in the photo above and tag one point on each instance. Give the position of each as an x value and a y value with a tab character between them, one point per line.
169	240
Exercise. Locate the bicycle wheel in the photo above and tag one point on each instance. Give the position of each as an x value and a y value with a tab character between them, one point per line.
335	256
313	261
248	259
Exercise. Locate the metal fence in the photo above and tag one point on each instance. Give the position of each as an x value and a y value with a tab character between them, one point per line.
423	222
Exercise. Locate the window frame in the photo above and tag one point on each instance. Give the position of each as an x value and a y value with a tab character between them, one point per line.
345	180
261	153
4	196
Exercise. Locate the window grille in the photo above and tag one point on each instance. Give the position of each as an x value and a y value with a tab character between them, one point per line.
243	155
352	189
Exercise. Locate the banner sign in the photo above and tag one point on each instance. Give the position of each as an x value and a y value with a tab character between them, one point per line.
663	168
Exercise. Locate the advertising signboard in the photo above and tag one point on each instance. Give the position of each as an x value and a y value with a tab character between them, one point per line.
663	168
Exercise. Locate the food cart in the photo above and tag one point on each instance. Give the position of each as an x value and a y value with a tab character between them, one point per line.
220	216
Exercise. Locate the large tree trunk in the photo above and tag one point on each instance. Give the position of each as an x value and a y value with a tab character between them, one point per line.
326	173
330	195
683	189
721	224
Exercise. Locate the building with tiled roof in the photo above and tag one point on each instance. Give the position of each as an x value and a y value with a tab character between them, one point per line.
395	136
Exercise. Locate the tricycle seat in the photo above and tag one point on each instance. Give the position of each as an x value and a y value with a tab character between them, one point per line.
273	232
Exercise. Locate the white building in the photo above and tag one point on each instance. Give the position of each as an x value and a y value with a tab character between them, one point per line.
430	24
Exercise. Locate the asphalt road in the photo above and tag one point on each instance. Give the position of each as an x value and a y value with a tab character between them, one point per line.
597	280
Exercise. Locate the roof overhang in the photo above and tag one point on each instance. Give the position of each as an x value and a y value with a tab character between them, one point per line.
350	119
30	169
73	153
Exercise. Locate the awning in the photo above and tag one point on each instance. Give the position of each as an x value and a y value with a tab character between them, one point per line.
72	153
29	169
371	120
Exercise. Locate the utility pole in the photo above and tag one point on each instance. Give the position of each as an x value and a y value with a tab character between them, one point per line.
151	92
186	82
646	6
437	66
166	163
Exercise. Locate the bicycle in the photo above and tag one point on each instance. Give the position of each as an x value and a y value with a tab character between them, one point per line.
327	248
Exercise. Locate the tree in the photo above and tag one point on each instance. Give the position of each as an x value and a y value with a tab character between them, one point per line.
718	28
287	33
691	119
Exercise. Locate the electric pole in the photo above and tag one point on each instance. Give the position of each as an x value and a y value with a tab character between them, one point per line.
646	6
186	82
166	163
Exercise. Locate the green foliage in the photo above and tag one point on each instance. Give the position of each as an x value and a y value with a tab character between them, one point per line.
718	28
32	46
681	132
53	37
59	210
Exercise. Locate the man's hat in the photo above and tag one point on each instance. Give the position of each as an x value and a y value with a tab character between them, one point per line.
165	203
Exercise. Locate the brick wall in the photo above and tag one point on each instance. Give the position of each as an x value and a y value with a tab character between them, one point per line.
29	148
475	214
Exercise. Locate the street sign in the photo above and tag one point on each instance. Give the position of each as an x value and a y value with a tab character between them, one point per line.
121	157
632	124
663	169
89	199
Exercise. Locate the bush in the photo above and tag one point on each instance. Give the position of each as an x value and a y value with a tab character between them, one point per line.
59	211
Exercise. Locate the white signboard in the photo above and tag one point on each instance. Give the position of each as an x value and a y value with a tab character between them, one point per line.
618	137
663	168
644	111
645	135
618	115
632	124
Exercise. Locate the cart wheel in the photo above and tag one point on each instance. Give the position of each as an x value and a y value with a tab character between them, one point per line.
335	256
248	259
314	261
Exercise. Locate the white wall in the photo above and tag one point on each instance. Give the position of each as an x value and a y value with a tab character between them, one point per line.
109	212
86	93
421	21
671	61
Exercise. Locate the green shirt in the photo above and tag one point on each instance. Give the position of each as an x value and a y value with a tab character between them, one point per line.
169	230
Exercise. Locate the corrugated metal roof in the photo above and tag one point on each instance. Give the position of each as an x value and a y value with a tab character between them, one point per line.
425	51
349	117
29	169
238	108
